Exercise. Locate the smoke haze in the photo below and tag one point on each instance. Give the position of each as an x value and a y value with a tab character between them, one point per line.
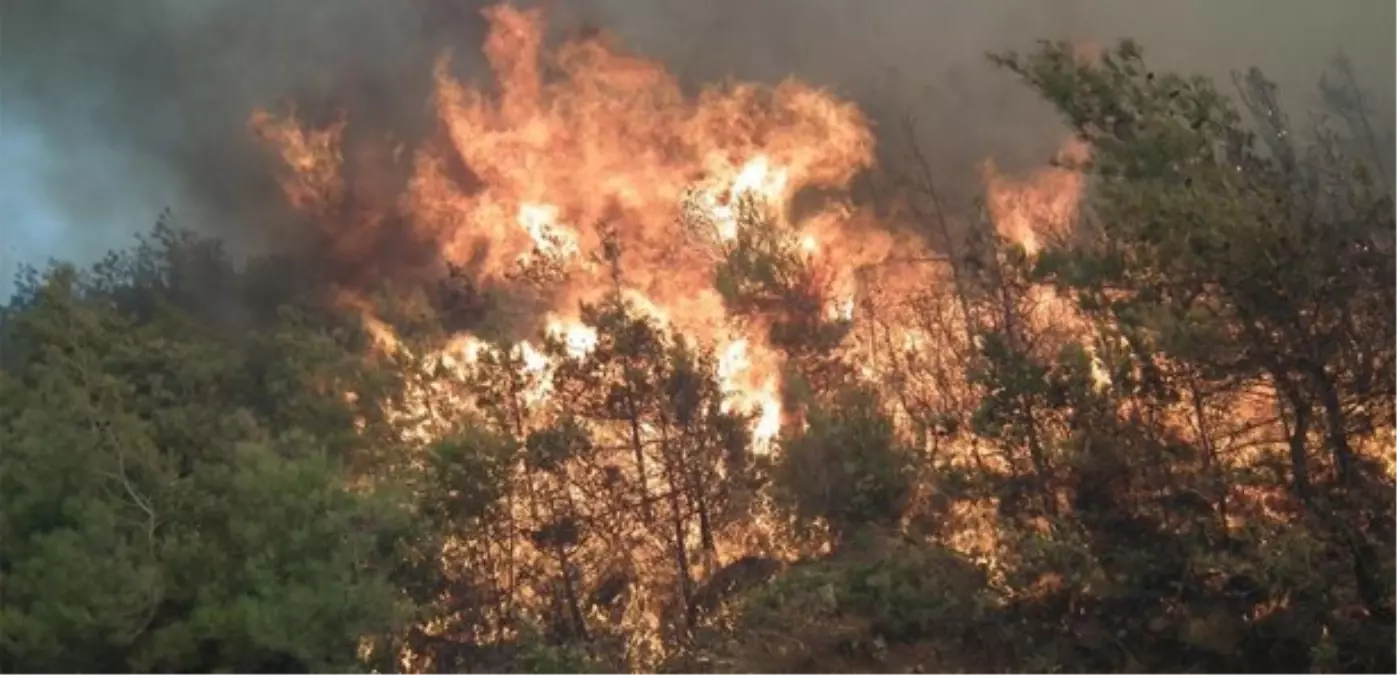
114	110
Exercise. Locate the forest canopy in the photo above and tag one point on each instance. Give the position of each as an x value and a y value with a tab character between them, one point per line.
1149	426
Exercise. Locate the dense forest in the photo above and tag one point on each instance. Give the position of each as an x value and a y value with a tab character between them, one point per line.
1157	439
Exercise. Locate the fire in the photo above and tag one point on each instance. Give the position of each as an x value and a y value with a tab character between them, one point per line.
550	238
585	144
314	157
769	420
586	154
596	165
1045	204
751	388
756	180
465	347
578	338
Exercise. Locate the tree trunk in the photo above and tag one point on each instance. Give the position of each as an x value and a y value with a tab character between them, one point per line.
681	549
1298	429
698	476
1336	425
579	623
638	446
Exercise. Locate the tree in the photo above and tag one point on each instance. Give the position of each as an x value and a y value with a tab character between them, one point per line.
847	472
1246	257
153	520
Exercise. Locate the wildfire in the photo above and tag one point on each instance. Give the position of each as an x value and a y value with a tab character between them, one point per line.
1045	204
550	238
756	180
595	163
752	389
605	151
586	150
578	338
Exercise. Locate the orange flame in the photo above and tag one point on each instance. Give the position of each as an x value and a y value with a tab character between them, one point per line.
1044	204
611	149
585	150
596	163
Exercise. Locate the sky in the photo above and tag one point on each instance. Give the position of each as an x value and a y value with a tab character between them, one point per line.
36	228
33	228
111	111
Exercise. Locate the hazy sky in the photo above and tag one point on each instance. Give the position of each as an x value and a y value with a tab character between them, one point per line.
38	222
112	110
32	228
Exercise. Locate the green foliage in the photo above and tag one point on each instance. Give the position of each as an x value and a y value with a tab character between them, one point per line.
155	517
201	473
761	264
1224	254
465	476
895	606
765	275
542	658
847	470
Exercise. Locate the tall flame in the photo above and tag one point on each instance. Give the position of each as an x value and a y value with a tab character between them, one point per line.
594	166
611	149
586	148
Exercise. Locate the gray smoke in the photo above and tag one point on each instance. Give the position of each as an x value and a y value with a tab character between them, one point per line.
135	106
926	58
114	110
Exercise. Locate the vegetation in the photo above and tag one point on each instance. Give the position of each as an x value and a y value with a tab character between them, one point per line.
1193	473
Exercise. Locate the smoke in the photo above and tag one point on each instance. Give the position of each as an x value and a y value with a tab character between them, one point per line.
142	105
900	57
115	110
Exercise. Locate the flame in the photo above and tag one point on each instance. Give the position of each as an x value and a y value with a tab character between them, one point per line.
550	238
596	167
755	180
1045	204
312	155
769	420
465	347
610	150
606	159
579	339
750	384
607	153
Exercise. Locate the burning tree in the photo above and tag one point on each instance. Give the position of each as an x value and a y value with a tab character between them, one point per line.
663	395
